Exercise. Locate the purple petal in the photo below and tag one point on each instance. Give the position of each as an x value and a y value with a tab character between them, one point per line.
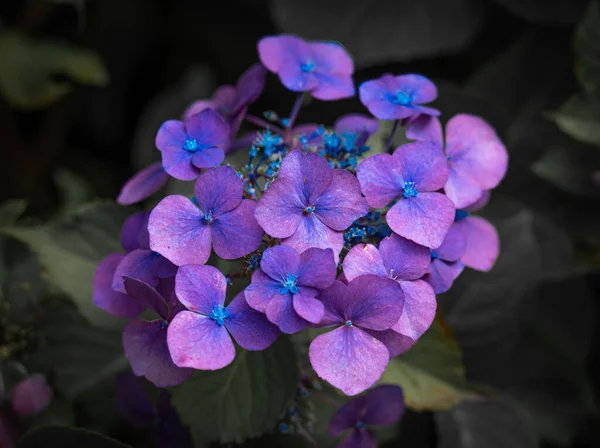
209	157
404	259
145	346
334	300
171	136
481	202
317	268
385	405
341	204
237	233
219	190
281	312
249	86
178	164
277	51
375	303
223	98
144	293
200	288
199	342
441	275
296	80
261	291
104	297
310	173
333	87
347	416
424	219
364	259
209	129
279	210
422	163
178	232
362	438
198	106
170	431
340	357
419	309
143	184
462	190
422	89
31	396
133	402
306	306
313	233
250	329
279	261
374	95
426	128
144	265
453	247
331	58
134	234
395	342
482	243
357	124
379	178
475	150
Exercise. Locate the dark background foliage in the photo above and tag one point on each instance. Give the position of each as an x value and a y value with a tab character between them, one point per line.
531	68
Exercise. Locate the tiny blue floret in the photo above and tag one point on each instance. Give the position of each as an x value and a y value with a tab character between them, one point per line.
190	145
402	98
219	314
434	255
409	190
460	214
289	284
308	67
349	323
208	218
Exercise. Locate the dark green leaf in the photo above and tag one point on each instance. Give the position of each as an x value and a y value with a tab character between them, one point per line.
245	399
580	118
65	437
58	413
587	50
11	211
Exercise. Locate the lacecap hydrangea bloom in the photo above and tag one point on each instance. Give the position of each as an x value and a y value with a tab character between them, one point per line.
313	231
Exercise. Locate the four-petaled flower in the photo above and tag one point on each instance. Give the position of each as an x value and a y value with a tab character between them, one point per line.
381	406
445	264
397	97
200	336
311	204
413	173
322	68
199	142
287	284
184	233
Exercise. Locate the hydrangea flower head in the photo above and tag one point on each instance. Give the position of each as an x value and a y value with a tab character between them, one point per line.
477	158
397	97
310	204
381	406
287	284
352	357
406	262
199	142
200	336
184	233
413	174
143	184
324	69
145	342
445	264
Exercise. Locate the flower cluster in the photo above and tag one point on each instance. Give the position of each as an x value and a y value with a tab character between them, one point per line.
330	235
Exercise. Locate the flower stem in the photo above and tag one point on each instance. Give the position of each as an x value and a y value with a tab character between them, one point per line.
389	141
295	110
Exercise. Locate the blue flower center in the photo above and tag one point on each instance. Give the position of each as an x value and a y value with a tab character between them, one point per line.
460	214
163	324
331	141
310	209
349	323
402	98
208	217
190	145
434	255
219	314
360	425
289	284
410	190
308	66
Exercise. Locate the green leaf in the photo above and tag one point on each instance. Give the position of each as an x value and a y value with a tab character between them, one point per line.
66	437
11	211
58	413
431	373
580	118
550	12
29	68
245	399
587	50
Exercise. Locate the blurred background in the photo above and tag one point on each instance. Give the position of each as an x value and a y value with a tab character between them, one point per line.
85	85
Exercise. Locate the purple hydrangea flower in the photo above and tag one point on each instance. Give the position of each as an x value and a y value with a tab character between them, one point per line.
476	156
406	262
322	68
143	184
310	204
184	233
137	409
231	102
362	311
199	142
413	174
381	406
30	396
445	264
145	342
352	130
200	336
287	284
397	97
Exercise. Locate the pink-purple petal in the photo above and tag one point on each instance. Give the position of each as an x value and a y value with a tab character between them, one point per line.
143	184
482	243
209	129
307	306
134	234
395	342
281	312
178	233
349	359
145	346
426	128
261	291
384	405
171	136
140	264
279	210
317	268
422	89
357	124
279	261
144	293
209	157
347	416
419	309
199	342
460	189
331	87
249	86
313	233
331	58
442	274
404	259
277	51
178	164
236	234
454	245
334	300
422	163
380	179
198	106
248	327
200	288
310	173
364	259
373	302
424	219
218	190
30	396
